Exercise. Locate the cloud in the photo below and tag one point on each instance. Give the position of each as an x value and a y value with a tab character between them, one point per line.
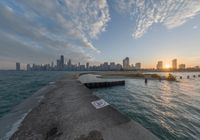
49	28
170	13
195	27
13	49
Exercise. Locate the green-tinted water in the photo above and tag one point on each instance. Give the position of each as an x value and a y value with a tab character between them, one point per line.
15	86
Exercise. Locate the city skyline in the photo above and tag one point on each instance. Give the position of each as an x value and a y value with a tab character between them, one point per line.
146	31
62	64
166	64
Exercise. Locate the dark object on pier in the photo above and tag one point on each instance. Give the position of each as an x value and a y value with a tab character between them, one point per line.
171	77
188	77
104	84
194	76
199	75
181	77
146	81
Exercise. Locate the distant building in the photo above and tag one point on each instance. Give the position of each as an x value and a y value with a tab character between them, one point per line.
159	65
62	62
196	67
126	64
138	66
58	64
118	67
69	63
182	66
18	66
105	66
112	66
52	64
82	67
28	67
78	67
87	65
174	64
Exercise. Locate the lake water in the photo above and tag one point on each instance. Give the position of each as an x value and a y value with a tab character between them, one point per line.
170	110
16	86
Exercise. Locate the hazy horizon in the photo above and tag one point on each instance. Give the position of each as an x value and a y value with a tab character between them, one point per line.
99	31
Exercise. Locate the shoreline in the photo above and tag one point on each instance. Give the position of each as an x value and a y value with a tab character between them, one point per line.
15	117
66	113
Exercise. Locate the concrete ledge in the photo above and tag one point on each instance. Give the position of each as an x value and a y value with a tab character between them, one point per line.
104	84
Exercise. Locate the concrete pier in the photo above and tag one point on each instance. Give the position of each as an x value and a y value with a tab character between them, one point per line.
95	81
66	113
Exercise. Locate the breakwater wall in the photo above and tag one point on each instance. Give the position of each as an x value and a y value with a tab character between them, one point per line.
104	84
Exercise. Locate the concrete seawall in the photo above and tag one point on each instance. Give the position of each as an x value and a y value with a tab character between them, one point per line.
66	113
104	84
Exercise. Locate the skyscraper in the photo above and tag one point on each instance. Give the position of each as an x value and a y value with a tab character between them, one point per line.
62	62
138	66
69	63
112	66
28	67
87	65
174	64
159	65
52	64
18	66
58	64
105	66
126	63
182	66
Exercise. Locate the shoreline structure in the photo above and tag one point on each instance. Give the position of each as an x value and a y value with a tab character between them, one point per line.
66	112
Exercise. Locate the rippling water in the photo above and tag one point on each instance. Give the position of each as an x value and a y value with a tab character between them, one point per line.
16	86
171	110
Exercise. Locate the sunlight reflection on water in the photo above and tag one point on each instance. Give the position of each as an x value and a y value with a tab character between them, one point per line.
171	110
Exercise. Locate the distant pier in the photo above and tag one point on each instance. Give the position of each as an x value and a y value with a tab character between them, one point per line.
95	81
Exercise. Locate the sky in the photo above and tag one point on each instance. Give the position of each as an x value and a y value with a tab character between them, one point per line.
96	31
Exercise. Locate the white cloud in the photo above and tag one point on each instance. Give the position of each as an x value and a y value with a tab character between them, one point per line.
195	27
170	13
54	26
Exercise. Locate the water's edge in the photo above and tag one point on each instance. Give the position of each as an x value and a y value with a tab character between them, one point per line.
13	119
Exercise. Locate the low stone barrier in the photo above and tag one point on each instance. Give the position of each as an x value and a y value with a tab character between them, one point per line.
104	84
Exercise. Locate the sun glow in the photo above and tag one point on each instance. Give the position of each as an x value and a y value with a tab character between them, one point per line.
167	66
